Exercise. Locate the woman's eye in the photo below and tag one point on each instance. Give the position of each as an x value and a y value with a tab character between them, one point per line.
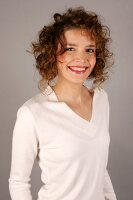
90	50
69	49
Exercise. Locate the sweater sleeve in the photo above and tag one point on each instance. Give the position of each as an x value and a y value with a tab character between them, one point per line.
24	152
108	188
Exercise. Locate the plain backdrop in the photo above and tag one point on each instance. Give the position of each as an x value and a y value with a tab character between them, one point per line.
20	21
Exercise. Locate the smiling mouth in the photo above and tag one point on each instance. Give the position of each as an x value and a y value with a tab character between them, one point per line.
78	69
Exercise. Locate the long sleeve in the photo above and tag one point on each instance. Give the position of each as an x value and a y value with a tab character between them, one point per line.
108	188
24	152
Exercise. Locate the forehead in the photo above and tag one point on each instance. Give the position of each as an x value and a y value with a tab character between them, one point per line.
73	34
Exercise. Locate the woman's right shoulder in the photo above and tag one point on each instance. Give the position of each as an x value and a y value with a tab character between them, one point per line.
34	102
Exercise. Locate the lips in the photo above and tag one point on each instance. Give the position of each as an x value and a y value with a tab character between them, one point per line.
78	69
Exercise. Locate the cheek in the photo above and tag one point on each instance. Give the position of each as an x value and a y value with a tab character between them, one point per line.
64	58
61	58
93	60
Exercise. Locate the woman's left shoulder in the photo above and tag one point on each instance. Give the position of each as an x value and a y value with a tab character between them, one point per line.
101	92
98	91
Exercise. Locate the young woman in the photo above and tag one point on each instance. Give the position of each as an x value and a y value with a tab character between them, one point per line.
66	126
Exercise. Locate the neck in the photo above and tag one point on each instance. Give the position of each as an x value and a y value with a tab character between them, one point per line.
70	93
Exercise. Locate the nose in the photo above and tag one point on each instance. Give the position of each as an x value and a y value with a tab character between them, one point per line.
80	56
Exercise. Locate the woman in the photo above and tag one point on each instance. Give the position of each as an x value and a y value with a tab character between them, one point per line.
66	126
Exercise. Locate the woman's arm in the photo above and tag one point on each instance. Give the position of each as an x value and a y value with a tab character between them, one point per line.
108	188
24	152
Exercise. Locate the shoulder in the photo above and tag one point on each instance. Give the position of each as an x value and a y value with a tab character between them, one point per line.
101	92
33	103
98	93
102	96
39	103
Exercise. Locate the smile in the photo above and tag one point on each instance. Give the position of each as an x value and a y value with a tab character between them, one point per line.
78	69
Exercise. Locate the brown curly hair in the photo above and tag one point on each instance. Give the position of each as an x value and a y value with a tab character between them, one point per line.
45	49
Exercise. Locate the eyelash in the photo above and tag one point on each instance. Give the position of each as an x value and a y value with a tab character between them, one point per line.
90	50
87	50
69	48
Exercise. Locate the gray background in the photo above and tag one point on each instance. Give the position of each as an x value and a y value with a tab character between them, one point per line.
20	20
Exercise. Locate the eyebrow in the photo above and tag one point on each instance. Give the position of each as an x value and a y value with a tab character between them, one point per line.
90	45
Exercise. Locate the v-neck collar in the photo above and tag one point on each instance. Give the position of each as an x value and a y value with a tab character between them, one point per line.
52	95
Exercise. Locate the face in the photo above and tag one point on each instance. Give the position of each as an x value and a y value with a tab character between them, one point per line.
79	58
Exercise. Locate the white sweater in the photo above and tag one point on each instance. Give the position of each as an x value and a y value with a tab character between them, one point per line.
71	151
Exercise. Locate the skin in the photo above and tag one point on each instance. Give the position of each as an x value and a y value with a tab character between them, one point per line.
80	52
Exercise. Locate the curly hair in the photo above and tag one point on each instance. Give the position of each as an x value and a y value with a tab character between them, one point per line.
45	49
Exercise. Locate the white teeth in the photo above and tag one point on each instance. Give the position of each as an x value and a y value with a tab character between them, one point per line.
78	68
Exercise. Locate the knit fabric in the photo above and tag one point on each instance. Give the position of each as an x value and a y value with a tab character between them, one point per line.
71	151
